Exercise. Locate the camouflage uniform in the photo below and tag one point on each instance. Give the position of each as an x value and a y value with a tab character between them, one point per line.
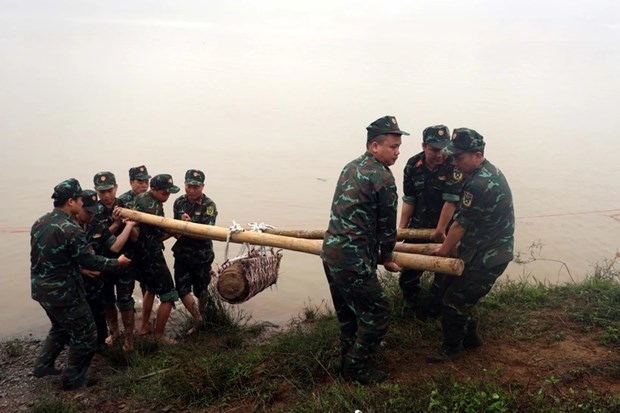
362	230
122	280
58	249
149	254
101	239
193	256
427	190
486	213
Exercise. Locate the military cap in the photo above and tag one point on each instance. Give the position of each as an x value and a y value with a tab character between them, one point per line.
383	126
66	190
194	177
164	181
465	140
90	202
139	173
104	180
437	136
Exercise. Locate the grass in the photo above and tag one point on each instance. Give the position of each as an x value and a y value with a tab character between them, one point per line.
228	364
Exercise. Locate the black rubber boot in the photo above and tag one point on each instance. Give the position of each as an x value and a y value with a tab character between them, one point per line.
45	371
446	353
472	339
360	372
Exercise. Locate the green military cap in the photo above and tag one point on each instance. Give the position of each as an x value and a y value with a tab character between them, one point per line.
139	173
66	190
164	181
90	202
104	180
383	126
194	177
465	140
437	136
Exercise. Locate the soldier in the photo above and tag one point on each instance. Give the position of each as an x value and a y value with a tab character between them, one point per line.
139	182
118	285
361	233
193	256
150	258
102	241
431	186
484	225
58	249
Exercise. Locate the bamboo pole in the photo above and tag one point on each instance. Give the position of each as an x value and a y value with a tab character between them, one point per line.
443	265
401	234
423	249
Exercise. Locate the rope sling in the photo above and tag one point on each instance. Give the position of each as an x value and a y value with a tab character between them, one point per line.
254	269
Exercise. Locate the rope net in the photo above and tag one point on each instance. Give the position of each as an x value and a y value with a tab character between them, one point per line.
241	278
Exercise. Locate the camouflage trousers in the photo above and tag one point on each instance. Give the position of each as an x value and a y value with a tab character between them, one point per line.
124	282
94	298
363	312
190	276
461	294
410	284
156	276
74	326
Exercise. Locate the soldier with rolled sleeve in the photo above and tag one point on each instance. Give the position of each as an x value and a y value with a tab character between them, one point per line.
149	255
362	233
193	256
483	230
58	250
118	285
431	188
103	242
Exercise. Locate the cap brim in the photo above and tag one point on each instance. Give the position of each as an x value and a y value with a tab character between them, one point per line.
173	189
103	187
438	145
192	182
141	177
95	209
397	132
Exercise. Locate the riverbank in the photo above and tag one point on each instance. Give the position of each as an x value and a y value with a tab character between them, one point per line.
547	348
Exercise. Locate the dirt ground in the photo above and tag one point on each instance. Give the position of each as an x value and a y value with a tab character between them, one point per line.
562	358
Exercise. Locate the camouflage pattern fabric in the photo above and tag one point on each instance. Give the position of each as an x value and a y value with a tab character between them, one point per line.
426	190
193	256
126	199
149	255
461	294
119	284
58	249
486	212
101	240
362	222
363	313
362	226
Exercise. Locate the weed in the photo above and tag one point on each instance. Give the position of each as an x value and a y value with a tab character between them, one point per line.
13	348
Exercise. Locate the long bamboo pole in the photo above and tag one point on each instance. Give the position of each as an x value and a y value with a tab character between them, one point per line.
401	234
423	249
443	265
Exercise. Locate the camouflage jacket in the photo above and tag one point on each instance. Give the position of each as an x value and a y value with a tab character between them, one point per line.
58	248
195	249
103	220
362	222
486	213
126	200
149	237
99	237
427	190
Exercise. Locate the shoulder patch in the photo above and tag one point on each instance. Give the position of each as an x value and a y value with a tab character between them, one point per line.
457	175
468	198
210	210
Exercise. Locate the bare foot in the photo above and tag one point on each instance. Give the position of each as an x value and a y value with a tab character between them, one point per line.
167	340
128	345
109	341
